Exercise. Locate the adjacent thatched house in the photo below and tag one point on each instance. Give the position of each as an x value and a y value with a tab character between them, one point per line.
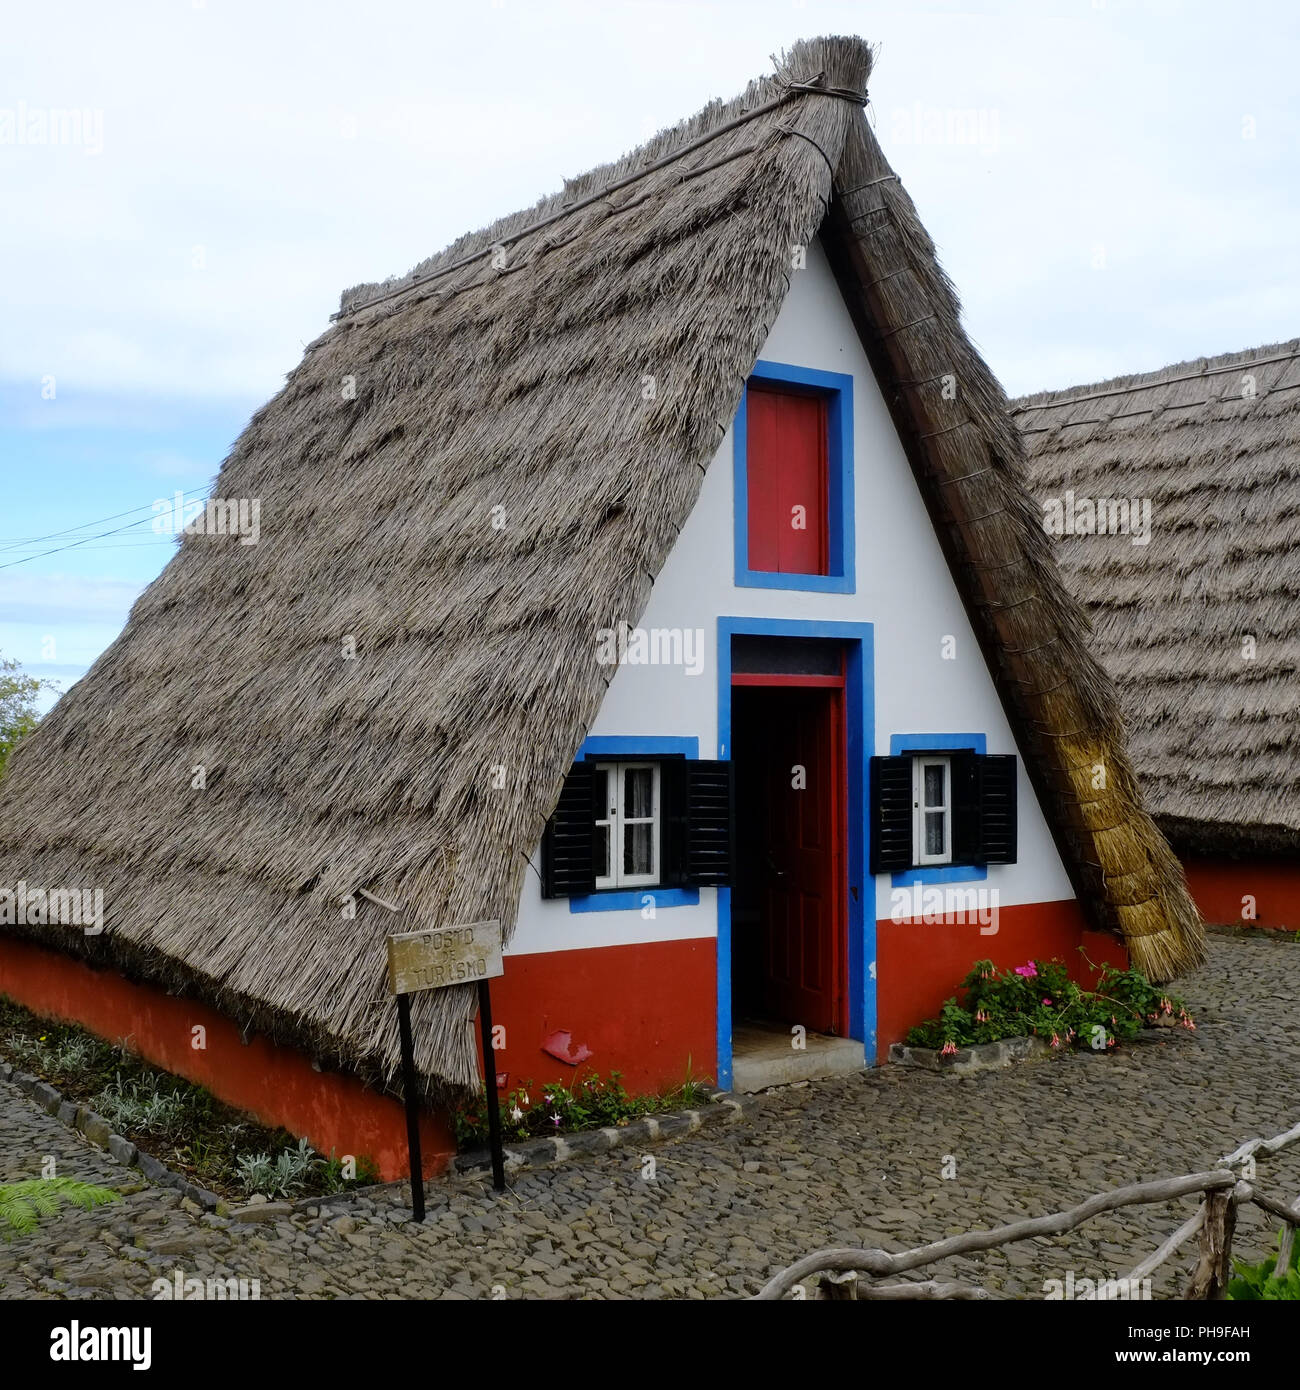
1194	596
686	474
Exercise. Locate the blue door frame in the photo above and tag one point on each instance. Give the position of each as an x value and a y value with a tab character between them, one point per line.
860	723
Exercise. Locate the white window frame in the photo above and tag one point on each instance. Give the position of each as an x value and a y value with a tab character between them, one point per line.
919	809
614	816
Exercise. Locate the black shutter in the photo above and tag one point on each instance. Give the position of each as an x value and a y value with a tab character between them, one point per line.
967	817
891	815
998	808
672	836
701	824
568	844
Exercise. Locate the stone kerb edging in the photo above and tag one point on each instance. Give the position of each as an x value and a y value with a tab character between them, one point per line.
723	1108
95	1128
981	1057
649	1129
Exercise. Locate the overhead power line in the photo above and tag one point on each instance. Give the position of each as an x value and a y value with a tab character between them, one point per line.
18	542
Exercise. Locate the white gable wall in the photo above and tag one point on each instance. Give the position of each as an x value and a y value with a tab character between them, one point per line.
903	588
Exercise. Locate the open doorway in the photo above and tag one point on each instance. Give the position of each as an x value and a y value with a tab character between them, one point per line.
789	938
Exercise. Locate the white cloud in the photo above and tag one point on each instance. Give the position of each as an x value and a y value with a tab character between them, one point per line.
257	159
64	599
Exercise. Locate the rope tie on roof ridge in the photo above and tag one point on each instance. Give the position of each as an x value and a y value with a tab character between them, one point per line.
870	183
789	91
903	327
948	429
1154	385
790	130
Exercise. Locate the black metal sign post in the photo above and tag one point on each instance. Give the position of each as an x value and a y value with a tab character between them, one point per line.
490	1084
412	1106
436	959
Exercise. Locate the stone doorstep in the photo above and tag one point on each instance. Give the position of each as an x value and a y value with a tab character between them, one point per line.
96	1129
982	1057
760	1062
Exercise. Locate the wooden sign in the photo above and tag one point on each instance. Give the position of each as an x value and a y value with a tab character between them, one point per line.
463	955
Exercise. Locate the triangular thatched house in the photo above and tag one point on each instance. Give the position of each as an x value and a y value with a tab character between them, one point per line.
677	512
1175	496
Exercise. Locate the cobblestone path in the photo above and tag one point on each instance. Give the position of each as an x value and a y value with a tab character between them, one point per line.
855	1161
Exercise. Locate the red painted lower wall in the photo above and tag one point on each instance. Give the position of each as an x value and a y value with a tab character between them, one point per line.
919	965
649	1011
1221	888
278	1085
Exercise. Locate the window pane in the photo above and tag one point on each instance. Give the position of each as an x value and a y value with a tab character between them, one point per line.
602	851
601	794
638	849
638	793
934	784
934	832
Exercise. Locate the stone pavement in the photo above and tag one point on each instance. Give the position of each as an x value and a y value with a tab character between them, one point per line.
854	1161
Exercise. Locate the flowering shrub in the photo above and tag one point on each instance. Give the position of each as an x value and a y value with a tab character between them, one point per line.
1039	999
531	1111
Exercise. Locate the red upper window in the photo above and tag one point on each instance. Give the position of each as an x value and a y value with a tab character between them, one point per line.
786	476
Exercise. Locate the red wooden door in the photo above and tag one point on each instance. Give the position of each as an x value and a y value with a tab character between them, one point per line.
785	469
801	855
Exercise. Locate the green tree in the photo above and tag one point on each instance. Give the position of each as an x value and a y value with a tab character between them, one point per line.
19	693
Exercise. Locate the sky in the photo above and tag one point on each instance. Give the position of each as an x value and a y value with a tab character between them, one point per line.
189	184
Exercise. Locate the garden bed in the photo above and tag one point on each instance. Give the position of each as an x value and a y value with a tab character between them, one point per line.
1039	1002
181	1125
532	1112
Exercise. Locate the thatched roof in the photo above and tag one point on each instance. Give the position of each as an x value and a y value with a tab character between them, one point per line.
519	385
1214	445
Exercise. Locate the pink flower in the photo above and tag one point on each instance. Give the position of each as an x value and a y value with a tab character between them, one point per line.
949	1049
1056	1040
981	1017
1029	970
1047	1001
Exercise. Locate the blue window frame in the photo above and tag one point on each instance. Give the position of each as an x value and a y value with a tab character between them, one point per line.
938	743
838	390
630	746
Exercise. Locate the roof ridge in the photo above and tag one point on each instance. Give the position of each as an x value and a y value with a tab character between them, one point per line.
1162	376
812	57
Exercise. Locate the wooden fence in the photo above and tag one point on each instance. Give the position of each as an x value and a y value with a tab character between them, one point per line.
1223	1190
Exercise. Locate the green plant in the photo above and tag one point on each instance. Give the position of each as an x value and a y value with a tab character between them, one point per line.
284	1176
22	1204
331	1173
530	1111
1039	999
1260	1283
144	1107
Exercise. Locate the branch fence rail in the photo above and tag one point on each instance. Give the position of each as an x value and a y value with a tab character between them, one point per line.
1225	1188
